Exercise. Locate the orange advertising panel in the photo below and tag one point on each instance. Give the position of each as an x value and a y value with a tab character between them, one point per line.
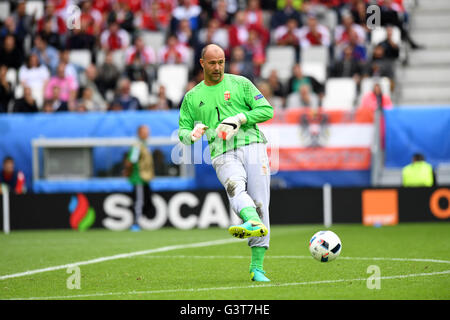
380	207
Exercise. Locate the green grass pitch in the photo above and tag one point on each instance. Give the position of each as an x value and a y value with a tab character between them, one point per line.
413	259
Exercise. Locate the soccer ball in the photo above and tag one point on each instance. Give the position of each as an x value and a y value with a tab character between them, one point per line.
325	246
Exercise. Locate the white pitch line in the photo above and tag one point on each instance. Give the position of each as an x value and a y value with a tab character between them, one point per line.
232	288
301	257
122	256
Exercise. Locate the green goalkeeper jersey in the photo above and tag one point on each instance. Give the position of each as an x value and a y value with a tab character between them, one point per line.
210	105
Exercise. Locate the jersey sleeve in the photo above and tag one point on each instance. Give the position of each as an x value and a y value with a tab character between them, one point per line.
185	122
260	108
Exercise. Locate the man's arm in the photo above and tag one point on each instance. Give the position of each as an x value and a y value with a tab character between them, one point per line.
186	122
260	108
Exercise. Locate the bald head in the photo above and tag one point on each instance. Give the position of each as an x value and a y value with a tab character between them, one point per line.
213	49
213	63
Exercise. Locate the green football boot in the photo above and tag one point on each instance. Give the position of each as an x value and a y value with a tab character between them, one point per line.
248	229
258	275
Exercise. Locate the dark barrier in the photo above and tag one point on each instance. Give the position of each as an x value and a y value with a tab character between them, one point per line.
202	209
424	204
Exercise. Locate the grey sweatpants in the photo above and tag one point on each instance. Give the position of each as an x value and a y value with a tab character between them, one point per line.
245	175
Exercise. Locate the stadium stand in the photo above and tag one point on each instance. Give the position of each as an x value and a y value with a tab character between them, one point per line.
273	37
339	57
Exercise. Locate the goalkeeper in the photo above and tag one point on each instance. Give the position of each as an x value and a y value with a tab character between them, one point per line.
227	109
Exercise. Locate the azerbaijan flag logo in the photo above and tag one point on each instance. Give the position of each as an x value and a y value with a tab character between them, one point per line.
82	217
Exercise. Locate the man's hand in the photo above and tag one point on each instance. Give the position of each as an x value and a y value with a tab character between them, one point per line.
127	168
228	128
198	131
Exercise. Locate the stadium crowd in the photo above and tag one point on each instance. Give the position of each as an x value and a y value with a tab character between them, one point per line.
41	69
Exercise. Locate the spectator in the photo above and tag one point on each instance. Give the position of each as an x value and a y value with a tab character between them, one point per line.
391	49
418	173
389	16
375	99
255	47
27	103
124	98
47	54
23	21
379	66
314	34
162	102
275	84
358	11
173	52
140	59
238	31
80	106
91	102
232	5
186	10
55	104
282	16
358	50
302	98
275	101
108	73
122	15
185	34
134	5
103	6
71	70
242	63
213	34
6	90
298	79
79	38
222	15
342	31
114	38
154	19
10	28
91	17
289	35
136	71
254	14
347	66
115	106
57	24
52	38
14	179
91	83
348	32
61	7
34	75
10	55
67	85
